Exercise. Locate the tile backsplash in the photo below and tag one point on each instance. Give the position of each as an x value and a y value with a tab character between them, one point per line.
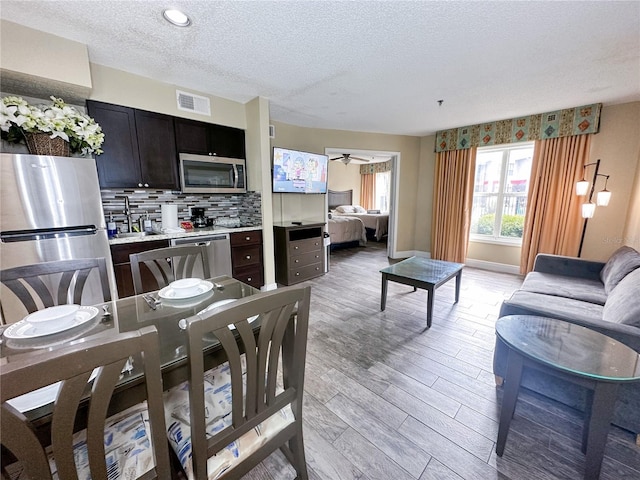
244	209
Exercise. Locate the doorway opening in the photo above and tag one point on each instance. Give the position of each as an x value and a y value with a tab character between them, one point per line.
339	180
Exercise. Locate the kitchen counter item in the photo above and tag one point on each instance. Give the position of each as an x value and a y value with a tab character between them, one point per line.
197	217
169	216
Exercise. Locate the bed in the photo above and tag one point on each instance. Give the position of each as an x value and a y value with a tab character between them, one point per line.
346	231
341	204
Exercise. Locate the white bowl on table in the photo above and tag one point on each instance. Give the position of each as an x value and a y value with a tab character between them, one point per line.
53	318
186	287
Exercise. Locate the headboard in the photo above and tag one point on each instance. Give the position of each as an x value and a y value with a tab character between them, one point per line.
337	198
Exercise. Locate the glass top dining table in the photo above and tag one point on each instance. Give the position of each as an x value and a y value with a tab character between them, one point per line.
130	314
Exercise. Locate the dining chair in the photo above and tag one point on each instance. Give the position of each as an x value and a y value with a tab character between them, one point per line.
224	421
47	284
129	444
164	265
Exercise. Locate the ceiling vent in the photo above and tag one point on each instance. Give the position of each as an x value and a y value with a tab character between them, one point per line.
189	102
272	131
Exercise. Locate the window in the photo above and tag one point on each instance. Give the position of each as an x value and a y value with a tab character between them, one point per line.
383	188
500	192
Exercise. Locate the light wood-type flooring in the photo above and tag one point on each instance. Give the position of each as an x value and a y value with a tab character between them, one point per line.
386	399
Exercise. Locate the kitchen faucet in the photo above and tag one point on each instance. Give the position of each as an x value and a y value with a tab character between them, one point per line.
127	213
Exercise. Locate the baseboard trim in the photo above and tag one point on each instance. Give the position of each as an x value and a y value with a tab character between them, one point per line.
411	253
493	266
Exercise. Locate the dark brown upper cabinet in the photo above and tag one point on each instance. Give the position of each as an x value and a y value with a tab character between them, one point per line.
139	148
209	139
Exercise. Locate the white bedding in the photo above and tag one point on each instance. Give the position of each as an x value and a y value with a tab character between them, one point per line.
378	222
344	228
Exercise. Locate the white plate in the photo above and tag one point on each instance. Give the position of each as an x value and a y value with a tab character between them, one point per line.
225	302
24	329
41	397
169	293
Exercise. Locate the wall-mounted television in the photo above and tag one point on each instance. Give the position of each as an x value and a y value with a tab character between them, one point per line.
299	172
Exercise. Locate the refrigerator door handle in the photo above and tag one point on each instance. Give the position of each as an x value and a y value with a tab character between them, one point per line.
45	233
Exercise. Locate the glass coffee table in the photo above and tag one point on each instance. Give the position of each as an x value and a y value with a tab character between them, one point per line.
423	273
577	354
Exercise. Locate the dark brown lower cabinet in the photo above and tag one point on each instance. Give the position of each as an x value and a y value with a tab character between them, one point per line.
246	257
122	266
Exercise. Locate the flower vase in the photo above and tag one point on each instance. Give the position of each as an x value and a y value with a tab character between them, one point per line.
43	144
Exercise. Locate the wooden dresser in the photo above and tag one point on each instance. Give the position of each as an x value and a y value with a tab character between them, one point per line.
299	252
246	257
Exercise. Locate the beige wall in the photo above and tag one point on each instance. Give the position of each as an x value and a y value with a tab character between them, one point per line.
32	63
122	88
489	252
617	146
632	228
259	176
289	207
345	177
424	194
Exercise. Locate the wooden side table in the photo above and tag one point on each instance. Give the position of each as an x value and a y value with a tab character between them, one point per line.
579	355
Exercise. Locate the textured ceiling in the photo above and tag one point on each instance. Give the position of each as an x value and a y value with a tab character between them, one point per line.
372	66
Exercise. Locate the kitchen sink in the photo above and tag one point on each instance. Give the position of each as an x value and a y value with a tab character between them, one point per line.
135	234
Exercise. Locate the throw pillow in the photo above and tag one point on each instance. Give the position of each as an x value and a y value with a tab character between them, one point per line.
622	304
359	209
622	262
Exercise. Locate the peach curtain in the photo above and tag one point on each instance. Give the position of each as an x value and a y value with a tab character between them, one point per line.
368	191
553	222
452	202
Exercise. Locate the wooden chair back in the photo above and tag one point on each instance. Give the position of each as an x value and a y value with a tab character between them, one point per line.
73	366
164	265
48	284
284	318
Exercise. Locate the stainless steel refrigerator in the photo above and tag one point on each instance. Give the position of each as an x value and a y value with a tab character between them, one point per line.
50	210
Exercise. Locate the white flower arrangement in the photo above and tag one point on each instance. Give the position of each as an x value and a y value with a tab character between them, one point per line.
17	118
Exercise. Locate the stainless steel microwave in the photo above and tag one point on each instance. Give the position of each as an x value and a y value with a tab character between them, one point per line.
204	174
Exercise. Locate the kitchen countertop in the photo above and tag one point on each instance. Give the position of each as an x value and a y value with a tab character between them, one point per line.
196	232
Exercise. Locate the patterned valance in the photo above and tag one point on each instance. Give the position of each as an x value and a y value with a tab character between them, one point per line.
375	167
561	123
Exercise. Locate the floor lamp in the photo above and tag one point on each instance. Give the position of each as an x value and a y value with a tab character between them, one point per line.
602	199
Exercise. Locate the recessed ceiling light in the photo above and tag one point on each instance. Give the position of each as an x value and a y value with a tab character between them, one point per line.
176	17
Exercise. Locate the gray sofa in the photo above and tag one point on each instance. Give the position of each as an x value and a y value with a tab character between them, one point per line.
601	296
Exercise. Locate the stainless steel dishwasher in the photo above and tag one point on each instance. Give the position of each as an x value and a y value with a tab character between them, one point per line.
218	251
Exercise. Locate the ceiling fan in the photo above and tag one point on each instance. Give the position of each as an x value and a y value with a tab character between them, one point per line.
347	157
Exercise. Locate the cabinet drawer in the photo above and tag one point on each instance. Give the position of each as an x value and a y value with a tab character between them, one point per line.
238	239
251	275
304	273
250	255
305	246
298	261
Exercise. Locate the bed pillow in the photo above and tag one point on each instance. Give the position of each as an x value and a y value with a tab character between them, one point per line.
346	209
359	209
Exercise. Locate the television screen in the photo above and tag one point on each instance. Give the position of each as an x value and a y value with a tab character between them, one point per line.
299	172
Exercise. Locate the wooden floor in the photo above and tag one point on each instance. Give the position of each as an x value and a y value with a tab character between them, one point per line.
387	399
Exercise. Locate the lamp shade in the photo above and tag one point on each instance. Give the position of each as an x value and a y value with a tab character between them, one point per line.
588	209
603	197
581	188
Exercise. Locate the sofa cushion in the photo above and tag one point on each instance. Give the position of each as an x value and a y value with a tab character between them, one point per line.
530	303
591	291
623	303
622	262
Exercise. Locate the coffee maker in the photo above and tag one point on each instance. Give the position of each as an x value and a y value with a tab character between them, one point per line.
197	217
